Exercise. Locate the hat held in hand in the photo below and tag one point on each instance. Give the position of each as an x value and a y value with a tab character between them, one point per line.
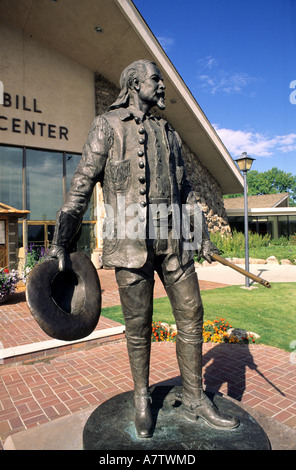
66	304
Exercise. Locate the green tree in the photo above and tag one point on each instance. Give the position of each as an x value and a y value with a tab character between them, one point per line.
270	182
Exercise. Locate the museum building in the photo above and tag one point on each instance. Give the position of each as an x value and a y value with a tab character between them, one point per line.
60	63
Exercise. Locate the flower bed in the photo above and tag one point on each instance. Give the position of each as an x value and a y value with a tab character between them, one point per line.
162	332
8	282
220	331
9	279
216	331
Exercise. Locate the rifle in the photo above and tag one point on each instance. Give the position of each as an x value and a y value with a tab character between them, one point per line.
240	270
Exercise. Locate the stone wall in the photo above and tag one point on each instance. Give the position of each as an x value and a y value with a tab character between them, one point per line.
105	93
208	192
205	186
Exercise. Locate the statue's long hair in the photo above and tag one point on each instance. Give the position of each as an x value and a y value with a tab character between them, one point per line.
137	69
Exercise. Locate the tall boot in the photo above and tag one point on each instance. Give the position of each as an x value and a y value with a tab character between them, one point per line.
137	308
139	358
187	307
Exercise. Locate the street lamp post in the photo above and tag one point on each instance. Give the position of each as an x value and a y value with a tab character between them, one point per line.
244	163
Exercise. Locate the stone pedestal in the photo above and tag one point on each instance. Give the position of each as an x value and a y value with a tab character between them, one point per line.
111	427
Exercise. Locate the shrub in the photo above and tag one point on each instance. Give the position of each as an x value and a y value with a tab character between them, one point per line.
280	241
293	239
235	243
35	255
257	241
260	246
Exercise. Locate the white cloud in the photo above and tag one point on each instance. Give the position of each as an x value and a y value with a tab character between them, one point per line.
166	42
255	143
225	82
215	80
207	62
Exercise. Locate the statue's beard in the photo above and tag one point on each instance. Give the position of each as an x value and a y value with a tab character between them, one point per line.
161	103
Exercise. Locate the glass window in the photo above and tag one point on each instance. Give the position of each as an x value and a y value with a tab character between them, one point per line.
72	161
11	176
273	226
87	240
44	172
237	223
283	226
292	225
36	235
50	232
253	224
39	235
262	225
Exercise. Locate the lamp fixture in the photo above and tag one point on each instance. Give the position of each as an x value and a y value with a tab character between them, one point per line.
244	162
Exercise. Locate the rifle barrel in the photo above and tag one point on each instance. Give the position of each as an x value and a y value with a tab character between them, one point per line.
240	270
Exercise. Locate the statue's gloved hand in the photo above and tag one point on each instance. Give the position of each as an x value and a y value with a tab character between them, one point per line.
207	248
59	253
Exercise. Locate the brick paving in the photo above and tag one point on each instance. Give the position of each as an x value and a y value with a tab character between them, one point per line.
41	390
18	327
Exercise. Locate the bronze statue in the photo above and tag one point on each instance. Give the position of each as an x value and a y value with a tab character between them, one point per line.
137	158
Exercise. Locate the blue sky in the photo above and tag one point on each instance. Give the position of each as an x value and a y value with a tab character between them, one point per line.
238	58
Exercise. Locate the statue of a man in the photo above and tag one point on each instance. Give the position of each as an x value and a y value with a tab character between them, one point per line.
137	158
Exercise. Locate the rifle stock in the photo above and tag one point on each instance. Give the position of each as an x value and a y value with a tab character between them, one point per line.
240	270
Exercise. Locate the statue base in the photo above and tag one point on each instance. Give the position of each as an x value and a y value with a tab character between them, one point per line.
111	426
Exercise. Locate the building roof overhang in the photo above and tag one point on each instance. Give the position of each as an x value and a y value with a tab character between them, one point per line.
68	26
11	211
259	201
262	212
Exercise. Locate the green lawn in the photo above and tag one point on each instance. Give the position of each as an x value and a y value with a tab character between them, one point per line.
269	312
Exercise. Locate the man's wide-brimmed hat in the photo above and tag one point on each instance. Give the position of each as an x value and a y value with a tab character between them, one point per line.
67	304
